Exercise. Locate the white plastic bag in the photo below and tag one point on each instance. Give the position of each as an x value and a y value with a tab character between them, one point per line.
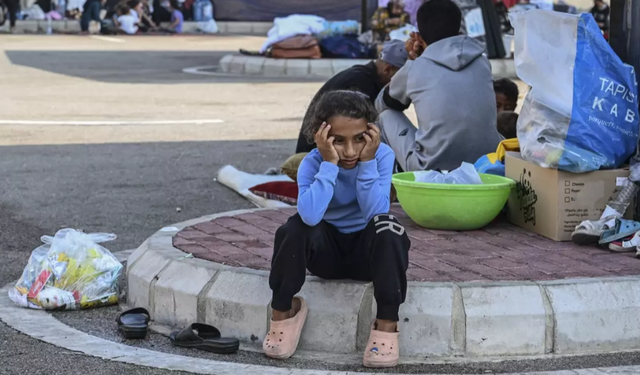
466	175
70	271
208	27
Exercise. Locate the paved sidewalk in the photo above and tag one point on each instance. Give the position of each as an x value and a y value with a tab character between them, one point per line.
270	67
499	252
73	27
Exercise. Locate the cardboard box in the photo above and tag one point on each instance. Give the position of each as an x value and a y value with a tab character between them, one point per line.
552	202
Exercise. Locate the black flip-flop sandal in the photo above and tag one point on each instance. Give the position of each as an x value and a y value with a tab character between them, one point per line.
204	337
134	323
250	53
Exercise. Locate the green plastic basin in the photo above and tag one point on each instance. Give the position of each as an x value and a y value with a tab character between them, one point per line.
451	206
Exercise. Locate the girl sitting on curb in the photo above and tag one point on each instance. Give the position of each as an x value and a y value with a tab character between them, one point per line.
343	229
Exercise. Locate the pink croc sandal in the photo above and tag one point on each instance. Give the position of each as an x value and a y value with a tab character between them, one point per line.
283	336
382	350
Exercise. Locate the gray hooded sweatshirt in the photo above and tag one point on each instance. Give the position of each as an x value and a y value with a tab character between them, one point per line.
451	87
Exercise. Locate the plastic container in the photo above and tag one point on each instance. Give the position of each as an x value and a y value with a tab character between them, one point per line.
452	207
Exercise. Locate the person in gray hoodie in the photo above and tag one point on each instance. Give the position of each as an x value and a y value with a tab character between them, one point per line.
448	79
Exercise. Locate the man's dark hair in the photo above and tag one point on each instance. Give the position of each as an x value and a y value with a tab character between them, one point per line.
508	88
438	19
174	4
353	104
133	3
508	124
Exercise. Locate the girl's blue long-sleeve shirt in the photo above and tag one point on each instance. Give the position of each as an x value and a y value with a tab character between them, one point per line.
346	198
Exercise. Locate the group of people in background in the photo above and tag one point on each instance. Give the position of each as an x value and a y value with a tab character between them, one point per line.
132	17
113	16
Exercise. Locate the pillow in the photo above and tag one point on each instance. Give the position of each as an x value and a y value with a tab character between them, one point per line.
290	167
282	191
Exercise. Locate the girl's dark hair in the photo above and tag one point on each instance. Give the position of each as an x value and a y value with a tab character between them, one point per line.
353	104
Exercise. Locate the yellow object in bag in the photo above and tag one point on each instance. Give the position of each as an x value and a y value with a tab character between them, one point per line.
493	163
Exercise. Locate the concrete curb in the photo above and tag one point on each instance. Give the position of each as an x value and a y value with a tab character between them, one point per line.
268	67
438	319
44	327
73	26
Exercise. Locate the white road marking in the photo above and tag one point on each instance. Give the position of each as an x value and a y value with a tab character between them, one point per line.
198	70
111	123
107	39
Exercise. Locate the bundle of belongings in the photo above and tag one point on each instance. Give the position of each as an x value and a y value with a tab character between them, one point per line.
312	37
69	271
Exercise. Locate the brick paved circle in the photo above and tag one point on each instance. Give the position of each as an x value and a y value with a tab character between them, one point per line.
499	252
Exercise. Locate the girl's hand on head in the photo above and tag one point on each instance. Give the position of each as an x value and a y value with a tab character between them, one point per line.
372	141
325	144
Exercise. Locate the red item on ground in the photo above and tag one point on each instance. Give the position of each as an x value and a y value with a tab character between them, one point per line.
39	283
282	191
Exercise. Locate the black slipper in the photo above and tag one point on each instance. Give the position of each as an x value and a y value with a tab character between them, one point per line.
134	323
204	337
250	53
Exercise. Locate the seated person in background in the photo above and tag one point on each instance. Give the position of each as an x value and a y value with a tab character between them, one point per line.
91	12
506	102
449	82
126	22
343	229
387	19
368	79
144	23
506	94
507	124
177	19
161	13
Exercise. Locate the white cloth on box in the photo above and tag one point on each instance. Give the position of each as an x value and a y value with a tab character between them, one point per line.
290	26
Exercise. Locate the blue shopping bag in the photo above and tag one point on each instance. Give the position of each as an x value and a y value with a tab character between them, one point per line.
582	112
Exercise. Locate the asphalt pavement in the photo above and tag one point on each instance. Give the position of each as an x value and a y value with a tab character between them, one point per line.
134	179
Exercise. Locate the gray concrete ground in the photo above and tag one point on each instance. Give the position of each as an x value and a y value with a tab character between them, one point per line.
130	178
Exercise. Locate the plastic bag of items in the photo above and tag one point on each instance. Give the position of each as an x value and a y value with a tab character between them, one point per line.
582	113
466	174
70	271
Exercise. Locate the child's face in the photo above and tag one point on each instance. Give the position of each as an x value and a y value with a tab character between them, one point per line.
504	104
349	141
